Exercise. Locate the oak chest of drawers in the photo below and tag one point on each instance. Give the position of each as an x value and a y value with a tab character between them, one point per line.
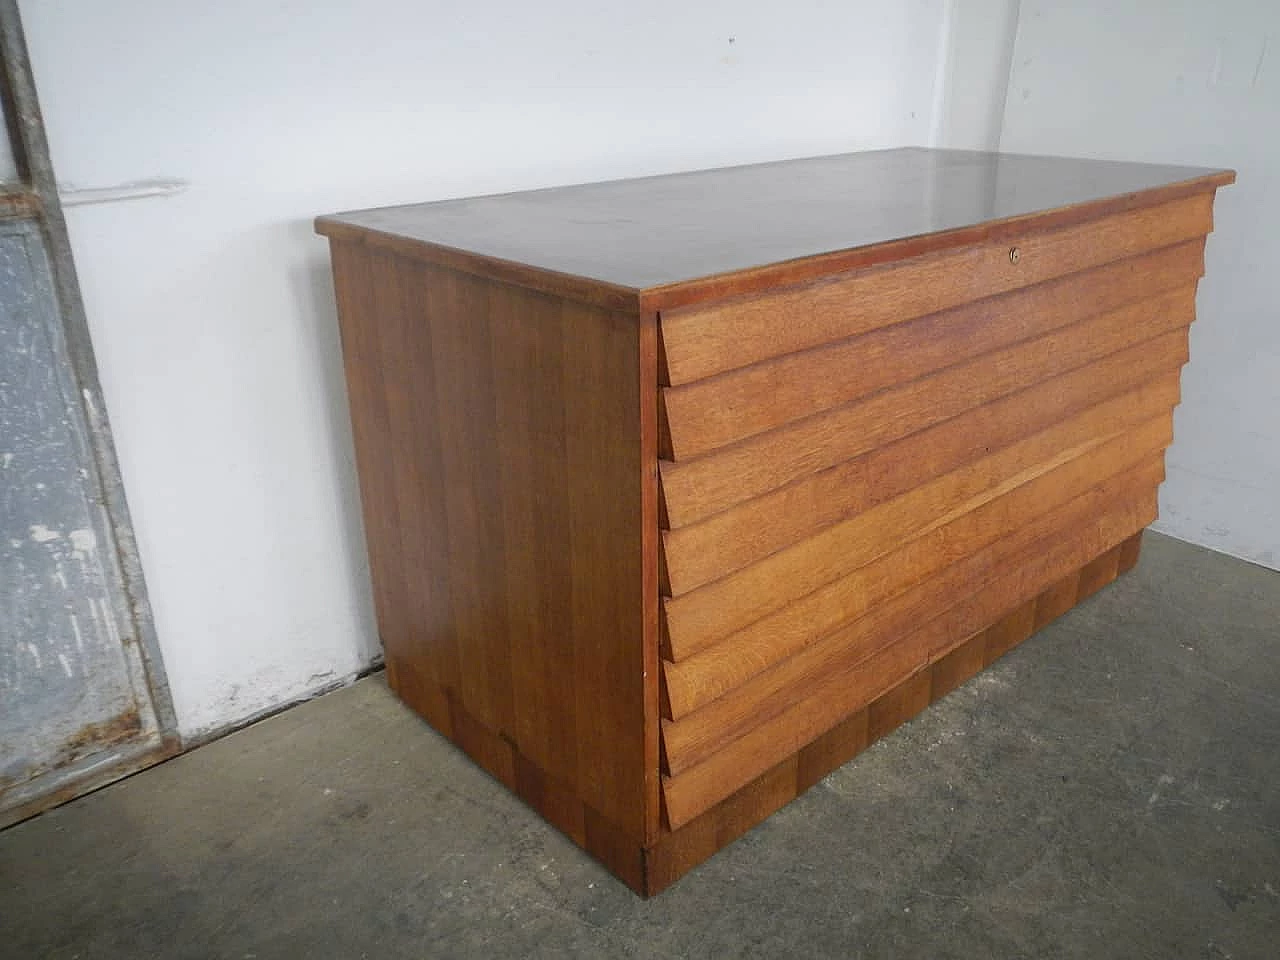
680	491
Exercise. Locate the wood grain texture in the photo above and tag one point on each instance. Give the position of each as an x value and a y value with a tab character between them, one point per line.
483	445
695	236
559	802
470	477
735	693
691	844
905	585
1129	553
648	870
678	492
736	749
735	538
1002	636
691	631
650	572
426	604
712	413
770	638
533	444
612	690
704	341
1096	575
755	591
361	356
698	488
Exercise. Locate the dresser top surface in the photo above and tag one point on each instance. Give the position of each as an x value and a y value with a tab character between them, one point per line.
655	232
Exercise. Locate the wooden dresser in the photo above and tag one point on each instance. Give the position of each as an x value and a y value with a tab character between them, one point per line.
680	491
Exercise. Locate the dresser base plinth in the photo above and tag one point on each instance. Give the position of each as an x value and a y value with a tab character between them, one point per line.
650	870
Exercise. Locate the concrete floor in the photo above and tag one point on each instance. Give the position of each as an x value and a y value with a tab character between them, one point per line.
1110	789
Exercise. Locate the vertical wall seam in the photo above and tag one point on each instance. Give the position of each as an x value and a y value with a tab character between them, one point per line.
1010	47
941	74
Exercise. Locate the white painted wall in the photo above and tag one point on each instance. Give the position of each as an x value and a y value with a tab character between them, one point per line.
975	71
211	309
1194	82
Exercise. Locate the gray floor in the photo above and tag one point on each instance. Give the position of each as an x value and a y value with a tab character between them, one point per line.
1107	790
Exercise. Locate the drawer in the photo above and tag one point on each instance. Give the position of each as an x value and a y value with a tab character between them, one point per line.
732	539
705	617
850	497
994	532
692	738
706	340
708	414
695	489
718	750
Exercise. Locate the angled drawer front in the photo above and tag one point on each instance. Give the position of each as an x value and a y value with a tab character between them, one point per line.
861	473
715	412
705	340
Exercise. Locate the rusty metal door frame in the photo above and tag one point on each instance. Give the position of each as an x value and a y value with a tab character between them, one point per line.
35	198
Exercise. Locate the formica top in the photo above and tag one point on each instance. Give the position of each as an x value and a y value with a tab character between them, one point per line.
655	232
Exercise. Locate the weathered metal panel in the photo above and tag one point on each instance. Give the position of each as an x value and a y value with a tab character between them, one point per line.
71	681
111	714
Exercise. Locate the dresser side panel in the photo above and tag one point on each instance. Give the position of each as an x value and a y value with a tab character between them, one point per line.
367	401
499	445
